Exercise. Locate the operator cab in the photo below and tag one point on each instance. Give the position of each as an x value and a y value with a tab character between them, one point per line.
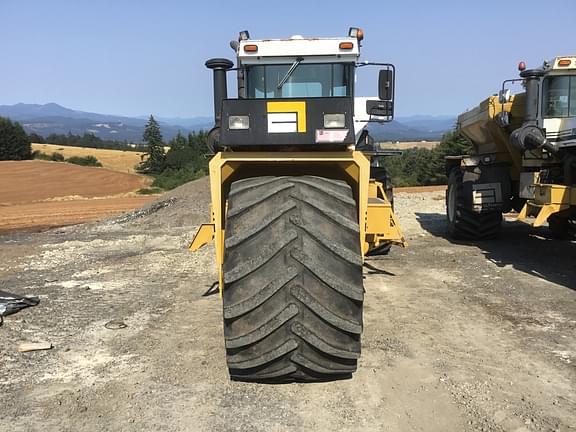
550	106
297	93
558	96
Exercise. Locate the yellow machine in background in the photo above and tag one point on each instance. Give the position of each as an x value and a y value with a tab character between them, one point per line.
524	156
295	205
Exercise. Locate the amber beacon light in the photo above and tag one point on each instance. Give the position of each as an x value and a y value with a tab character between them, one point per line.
356	32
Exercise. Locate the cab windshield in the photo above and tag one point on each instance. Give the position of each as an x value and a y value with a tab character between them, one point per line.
559	96
305	80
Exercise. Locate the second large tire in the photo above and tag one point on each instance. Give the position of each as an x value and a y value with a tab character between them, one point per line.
293	289
381	174
562	228
463	222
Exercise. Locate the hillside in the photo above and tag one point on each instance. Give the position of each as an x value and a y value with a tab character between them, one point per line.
53	118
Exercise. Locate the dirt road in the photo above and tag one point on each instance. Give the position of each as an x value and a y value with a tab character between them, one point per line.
457	337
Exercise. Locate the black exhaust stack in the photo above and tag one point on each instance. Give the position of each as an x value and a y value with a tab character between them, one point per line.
529	136
532	77
219	67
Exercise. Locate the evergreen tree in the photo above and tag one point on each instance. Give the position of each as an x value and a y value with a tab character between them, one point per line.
452	144
199	142
422	167
178	142
179	154
35	138
154	163
14	143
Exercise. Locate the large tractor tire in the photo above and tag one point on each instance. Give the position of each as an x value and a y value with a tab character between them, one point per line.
293	288
463	222
562	228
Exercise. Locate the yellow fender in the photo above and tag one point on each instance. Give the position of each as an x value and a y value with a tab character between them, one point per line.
377	220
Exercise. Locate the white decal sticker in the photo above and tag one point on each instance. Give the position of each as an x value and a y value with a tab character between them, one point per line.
282	122
331	135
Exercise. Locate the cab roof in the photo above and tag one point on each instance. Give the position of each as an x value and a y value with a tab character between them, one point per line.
261	51
561	63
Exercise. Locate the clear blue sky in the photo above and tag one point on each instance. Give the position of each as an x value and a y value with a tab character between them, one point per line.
139	57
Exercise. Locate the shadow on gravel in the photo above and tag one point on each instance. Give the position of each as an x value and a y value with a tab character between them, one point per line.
375	270
528	249
212	290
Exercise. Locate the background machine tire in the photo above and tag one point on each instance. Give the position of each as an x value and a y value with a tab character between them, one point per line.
293	288
562	228
463	222
381	174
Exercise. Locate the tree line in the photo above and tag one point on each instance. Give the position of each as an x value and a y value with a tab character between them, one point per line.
86	140
424	167
185	160
14	143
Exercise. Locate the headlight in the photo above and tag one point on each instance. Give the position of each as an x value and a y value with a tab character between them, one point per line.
238	122
334	121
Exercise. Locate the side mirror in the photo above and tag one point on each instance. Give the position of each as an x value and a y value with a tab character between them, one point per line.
502	119
380	110
386	85
504	96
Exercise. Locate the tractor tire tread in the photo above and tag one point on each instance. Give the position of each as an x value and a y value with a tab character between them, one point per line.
468	224
291	315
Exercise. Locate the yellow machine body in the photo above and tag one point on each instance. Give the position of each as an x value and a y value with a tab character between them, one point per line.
548	200
479	126
377	220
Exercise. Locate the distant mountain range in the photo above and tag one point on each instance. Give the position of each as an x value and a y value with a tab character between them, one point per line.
53	118
413	128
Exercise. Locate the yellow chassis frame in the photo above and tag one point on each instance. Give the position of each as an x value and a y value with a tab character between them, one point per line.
548	199
377	220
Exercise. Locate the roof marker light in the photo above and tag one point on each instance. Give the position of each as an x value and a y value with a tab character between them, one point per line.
346	45
564	62
251	48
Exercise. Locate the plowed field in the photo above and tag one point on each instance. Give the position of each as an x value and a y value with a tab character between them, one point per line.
38	195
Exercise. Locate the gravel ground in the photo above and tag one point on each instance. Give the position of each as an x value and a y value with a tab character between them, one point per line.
457	337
